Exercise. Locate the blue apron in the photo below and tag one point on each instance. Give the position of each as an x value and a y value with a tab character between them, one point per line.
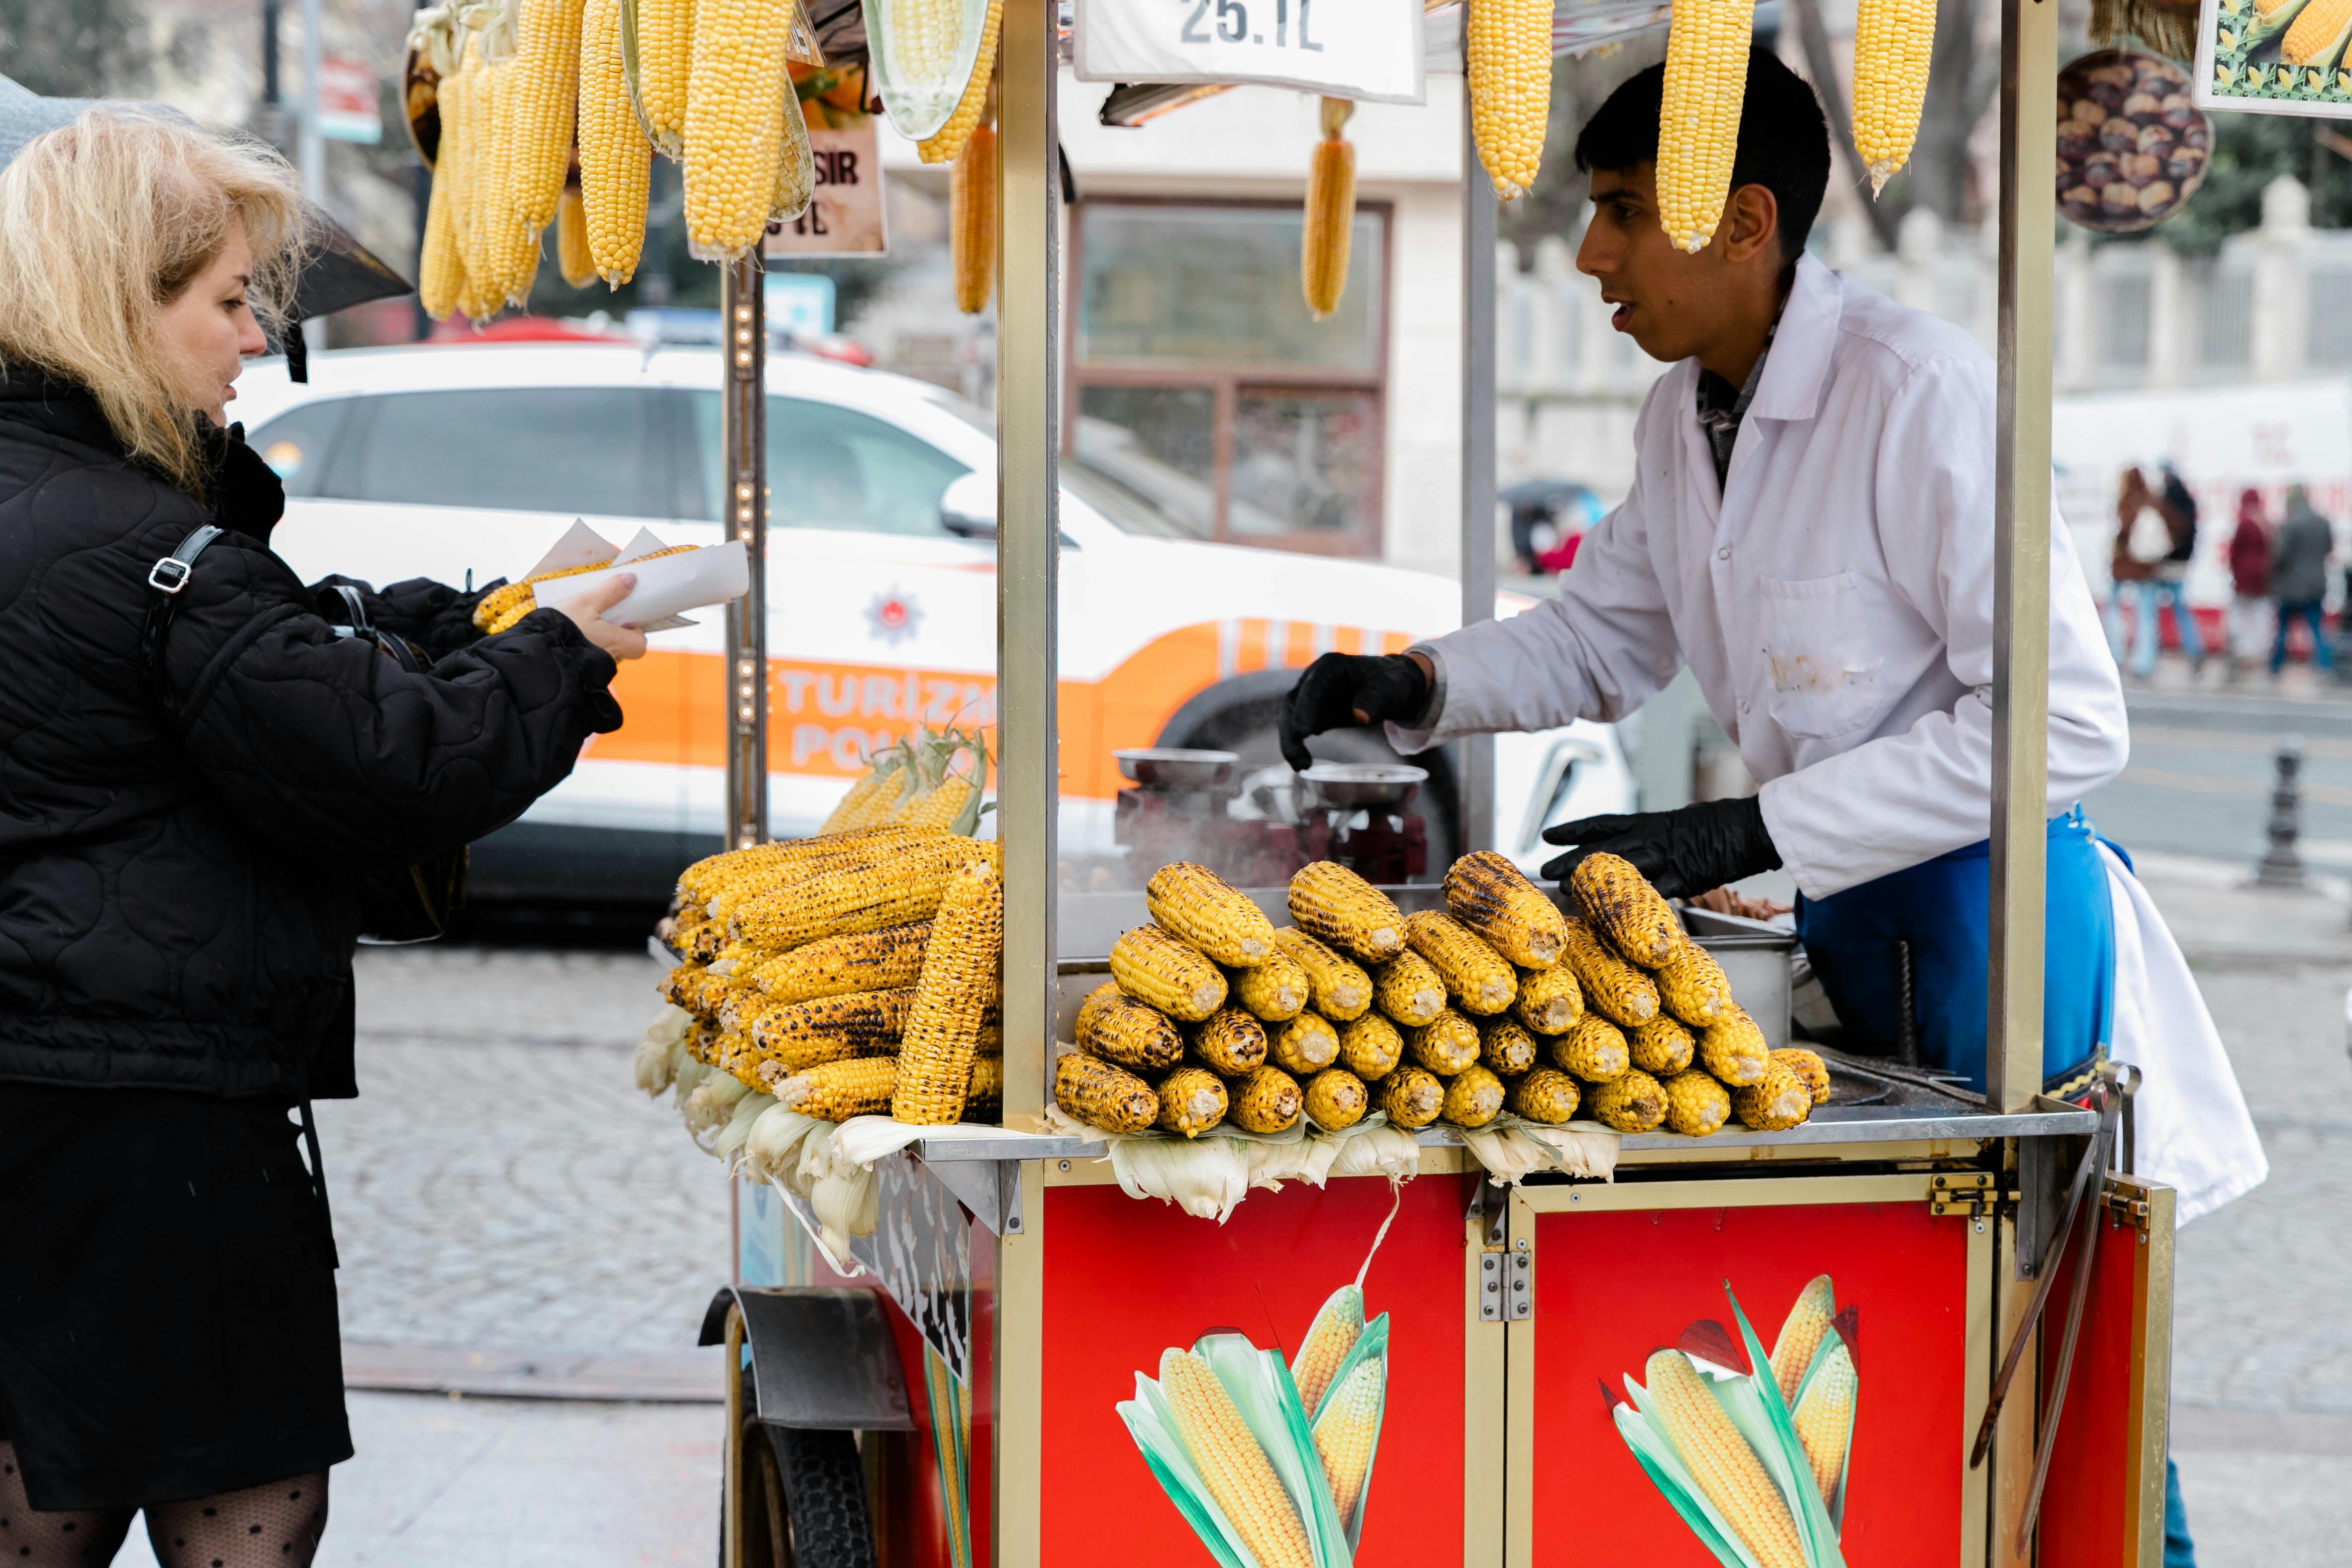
1940	908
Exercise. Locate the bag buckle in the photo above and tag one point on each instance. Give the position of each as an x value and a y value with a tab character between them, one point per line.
170	574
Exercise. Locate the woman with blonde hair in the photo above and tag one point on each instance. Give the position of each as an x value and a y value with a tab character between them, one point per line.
198	773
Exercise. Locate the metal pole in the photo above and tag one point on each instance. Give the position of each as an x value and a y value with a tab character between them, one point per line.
311	147
743	436
2021	681
1475	822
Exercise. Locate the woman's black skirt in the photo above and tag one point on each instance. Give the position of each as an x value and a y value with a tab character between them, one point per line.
167	1297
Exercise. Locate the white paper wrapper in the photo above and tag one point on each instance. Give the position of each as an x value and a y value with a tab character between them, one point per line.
667	584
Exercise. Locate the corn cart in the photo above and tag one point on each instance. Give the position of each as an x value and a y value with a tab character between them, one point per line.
996	1372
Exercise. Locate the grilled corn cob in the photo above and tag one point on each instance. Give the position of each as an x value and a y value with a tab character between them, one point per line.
503	606
706	878
1611	986
1233	1467
1696	1104
1445	1046
838	1091
1726	1469
1330	212
1195	905
846	902
1824	1420
1775	1103
1369	1047
1274	990
1633	1101
1620	903
1733	1049
1546	1095
838	965
1410	1097
803	1034
1549	1000
1191	1101
1506	1046
1474	1097
971	221
1126	1032
1409	989
1339	989
1334	1099
1230	1042
1265	1100
855	806
1693	988
1333	904
1595	1051
1307	1044
1802	1333
1698	117
938	807
1808	1067
958	981
1103	1096
1477	979
1506	54
1155	968
615	159
1346	1432
1660	1047
947	143
1891	42
1488	894
1334	1333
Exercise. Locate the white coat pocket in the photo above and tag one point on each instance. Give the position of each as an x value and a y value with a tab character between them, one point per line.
1824	672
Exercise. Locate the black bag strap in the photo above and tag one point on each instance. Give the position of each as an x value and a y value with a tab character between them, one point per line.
168	578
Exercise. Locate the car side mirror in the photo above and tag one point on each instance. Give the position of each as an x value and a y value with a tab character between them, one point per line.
967	505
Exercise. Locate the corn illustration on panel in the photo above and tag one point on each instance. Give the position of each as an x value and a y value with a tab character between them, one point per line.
1802	1333
1720	1461
1824	1420
1347	1431
1338	1324
1232	1464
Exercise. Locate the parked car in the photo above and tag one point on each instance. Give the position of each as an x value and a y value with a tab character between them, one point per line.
465	462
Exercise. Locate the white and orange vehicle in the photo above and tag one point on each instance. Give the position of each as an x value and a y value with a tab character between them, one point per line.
465	462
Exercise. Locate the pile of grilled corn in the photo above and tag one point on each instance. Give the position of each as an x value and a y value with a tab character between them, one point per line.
1213	1017
854	974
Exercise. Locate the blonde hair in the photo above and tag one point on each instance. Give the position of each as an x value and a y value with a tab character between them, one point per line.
105	222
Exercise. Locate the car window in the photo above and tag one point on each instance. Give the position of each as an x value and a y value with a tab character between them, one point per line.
1128	506
581	449
298	442
835	467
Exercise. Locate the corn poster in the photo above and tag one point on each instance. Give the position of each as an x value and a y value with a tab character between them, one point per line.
2276	57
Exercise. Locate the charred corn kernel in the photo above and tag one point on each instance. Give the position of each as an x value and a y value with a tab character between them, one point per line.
1595	1051
571	257
1339	989
1333	1333
1546	1095
1477	979
1722	1464
1156	969
2317	34
1333	904
947	143
1409	989
1611	986
539	109
1506	53
734	129
1307	1044
681	982
1346	1432
1824	1419
1369	1047
1696	1104
1733	1049
1265	1100
838	965
1661	1047
1802	1333
1191	1101
958	983
615	159
1125	1033
836	1092
803	1034
1273	990
1693	988
1620	903
1488	894
985	1098
1233	1466
703	879
1698	117
1334	1100
1445	1046
1550	1001
1330	219
1096	1000
971	221
1410	1097
905	887
1195	905
1474	1097
1230	1042
1095	1092
1808	1067
1633	1101
1775	1103
1891	42
665	68
1506	1047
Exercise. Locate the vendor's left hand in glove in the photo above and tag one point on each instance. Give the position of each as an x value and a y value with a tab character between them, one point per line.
1684	853
1343	689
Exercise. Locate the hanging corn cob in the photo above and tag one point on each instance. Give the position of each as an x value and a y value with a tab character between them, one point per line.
544	91
440	268
1893	40
795	184
657	57
572	258
1330	212
923	54
507	244
615	159
1698	120
736	89
1506	50
971	221
947	144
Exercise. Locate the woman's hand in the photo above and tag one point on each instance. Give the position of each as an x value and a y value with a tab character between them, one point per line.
587	612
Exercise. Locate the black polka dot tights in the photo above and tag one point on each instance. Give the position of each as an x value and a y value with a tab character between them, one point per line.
272	1526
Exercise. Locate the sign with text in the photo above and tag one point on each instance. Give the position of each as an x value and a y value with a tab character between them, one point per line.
846	217
1364	50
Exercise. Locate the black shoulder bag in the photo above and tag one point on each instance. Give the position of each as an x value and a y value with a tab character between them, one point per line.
398	904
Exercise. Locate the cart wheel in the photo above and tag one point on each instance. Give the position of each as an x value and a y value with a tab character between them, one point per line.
822	1486
767	1533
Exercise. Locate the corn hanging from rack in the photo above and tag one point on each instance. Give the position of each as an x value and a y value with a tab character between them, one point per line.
1698	120
665	54
946	145
1893	41
971	221
572	257
1330	218
734	127
615	160
537	109
1506	53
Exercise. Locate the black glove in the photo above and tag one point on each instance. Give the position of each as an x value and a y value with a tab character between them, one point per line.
1343	689
1685	852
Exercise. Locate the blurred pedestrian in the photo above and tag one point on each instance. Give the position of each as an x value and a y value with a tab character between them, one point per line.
2147	569
202	781
2299	577
2250	584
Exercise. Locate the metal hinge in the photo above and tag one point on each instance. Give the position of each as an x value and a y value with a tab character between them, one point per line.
1966	1195
1506	1287
2125	1206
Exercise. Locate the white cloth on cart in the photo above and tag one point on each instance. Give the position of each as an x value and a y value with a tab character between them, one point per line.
2191	1128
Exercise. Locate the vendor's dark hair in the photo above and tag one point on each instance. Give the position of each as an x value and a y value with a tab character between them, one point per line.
1784	141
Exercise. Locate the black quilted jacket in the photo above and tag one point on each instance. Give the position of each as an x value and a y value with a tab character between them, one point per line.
177	903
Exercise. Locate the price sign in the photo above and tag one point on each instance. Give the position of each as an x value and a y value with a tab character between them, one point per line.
1364	50
846	217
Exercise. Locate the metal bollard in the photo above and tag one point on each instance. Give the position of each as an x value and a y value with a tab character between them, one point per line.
2281	865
